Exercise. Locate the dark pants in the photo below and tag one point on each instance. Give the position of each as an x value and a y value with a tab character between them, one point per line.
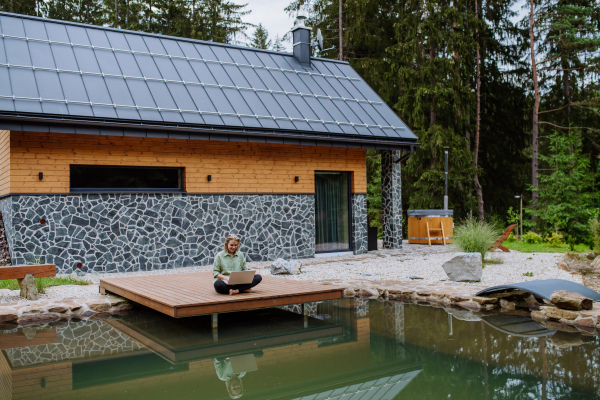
223	288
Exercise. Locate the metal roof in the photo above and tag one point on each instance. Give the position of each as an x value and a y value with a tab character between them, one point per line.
89	75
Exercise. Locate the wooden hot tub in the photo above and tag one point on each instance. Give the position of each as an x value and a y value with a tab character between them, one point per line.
419	219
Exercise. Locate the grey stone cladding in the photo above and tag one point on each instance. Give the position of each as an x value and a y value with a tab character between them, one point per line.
359	223
76	341
391	199
132	232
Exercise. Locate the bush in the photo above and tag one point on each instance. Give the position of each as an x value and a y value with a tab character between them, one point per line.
532	237
511	237
476	237
554	240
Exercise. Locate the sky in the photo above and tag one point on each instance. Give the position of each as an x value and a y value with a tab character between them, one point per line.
271	14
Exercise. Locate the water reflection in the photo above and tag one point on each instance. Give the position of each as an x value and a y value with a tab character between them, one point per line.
341	349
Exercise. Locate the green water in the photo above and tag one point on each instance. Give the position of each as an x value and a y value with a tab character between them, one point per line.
344	349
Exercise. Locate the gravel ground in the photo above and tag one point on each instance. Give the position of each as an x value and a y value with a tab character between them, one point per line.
412	261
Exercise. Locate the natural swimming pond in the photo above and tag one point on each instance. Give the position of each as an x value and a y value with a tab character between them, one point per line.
344	349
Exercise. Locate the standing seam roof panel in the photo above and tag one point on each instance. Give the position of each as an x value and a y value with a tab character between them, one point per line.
154	78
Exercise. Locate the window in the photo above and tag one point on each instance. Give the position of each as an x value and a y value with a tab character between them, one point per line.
87	178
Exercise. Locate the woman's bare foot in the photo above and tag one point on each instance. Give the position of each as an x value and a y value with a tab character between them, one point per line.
248	290
233	291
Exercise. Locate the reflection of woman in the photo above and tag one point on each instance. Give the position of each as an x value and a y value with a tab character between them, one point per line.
228	261
232	381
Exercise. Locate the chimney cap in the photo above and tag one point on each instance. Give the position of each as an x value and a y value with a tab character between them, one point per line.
299	23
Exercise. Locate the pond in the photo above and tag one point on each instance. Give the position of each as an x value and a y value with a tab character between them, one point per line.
342	349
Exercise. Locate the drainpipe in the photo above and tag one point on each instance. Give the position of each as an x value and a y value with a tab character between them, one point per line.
405	157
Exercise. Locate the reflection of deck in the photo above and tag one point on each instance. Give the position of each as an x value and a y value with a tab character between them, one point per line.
192	339
184	295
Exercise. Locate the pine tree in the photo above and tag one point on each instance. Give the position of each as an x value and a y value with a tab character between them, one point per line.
278	44
260	39
565	193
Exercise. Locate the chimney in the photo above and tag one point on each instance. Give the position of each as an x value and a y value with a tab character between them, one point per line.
301	41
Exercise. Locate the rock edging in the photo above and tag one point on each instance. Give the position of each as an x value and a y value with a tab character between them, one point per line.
48	311
445	295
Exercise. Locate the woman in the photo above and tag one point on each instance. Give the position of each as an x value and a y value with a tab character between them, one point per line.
228	261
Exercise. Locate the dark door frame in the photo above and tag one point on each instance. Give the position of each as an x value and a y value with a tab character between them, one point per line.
350	225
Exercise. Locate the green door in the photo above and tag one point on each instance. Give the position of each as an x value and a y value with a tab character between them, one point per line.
332	211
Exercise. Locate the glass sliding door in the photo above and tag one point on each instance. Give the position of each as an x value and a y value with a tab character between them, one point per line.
332	211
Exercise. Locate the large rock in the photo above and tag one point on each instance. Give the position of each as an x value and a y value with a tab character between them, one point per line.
282	267
596	262
28	287
571	300
464	267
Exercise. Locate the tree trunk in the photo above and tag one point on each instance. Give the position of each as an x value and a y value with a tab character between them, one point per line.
341	33
536	105
116	14
478	121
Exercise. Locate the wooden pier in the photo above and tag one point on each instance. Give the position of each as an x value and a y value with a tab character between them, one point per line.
186	295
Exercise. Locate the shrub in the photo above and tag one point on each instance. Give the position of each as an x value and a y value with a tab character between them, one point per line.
554	240
511	237
532	237
476	237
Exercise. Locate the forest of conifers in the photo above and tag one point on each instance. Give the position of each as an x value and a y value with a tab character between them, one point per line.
460	73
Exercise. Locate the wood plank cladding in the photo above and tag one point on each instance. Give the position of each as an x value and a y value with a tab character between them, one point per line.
235	167
4	162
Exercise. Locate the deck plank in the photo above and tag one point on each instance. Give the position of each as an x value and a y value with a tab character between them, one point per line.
189	294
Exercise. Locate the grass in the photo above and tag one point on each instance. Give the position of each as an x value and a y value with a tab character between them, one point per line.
543	247
473	236
43	283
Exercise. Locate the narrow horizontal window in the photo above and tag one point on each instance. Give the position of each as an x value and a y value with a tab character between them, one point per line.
86	178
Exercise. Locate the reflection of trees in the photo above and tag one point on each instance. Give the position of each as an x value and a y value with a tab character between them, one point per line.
510	366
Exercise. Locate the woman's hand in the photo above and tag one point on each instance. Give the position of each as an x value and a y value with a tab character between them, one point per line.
222	277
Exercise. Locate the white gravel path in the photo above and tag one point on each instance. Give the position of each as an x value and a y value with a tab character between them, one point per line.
412	261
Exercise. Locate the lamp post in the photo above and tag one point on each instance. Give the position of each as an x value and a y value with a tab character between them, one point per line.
521	214
446	177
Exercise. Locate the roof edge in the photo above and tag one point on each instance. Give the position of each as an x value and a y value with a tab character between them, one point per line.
179	130
140	33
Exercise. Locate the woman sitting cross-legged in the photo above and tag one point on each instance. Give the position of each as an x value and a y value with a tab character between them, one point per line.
227	261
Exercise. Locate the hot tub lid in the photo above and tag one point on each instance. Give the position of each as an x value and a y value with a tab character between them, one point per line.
427	213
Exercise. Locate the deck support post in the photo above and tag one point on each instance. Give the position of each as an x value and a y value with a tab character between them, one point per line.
214	318
305	314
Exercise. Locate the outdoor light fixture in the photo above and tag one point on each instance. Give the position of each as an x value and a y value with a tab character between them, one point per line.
41	175
209	178
43	221
297	179
79	265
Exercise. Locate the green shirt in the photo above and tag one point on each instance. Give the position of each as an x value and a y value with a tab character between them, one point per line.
224	370
225	264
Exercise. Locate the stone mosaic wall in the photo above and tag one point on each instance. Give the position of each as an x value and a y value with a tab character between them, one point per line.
391	198
359	223
76	341
130	232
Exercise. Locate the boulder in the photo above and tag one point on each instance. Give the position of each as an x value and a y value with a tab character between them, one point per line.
8	314
28	287
571	300
464	267
283	267
596	262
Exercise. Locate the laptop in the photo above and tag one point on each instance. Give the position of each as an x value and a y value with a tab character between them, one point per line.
243	363
241	277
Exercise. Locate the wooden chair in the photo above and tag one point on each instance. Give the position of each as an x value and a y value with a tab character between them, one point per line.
498	243
435	232
20	272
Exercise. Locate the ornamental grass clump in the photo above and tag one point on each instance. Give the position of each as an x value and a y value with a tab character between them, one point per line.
473	236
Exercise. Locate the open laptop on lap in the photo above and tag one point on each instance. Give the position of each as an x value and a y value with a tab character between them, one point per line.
241	277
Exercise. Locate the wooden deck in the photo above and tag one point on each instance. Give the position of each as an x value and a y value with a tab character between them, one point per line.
186	295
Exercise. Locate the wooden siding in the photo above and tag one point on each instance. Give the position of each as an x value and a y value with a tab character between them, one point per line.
235	167
4	162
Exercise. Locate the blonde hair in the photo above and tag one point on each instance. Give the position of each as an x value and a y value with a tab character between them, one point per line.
229	238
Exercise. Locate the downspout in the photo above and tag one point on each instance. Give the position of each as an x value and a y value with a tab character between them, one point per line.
405	157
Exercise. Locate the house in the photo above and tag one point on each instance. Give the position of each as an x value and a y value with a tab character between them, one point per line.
125	151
